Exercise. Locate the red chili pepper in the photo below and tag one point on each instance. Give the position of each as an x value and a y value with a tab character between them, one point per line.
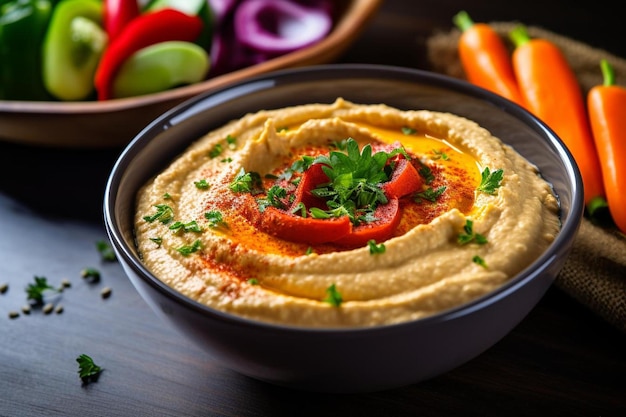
117	14
147	29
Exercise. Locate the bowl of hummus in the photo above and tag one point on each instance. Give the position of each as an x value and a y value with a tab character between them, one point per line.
344	228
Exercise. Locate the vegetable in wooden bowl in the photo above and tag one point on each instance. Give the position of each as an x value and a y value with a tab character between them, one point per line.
113	122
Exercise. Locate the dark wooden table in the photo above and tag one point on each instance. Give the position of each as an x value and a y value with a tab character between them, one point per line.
560	360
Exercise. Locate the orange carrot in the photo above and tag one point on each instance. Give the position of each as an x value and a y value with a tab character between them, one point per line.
485	58
606	104
552	92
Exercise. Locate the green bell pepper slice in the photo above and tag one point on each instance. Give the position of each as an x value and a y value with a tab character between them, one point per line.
72	48
160	67
23	24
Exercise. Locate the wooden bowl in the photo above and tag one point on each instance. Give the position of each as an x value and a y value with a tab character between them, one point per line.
113	123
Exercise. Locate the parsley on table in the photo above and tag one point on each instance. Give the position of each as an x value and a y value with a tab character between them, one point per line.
88	371
106	251
490	181
91	274
35	291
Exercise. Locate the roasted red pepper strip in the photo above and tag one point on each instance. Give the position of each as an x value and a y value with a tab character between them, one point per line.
388	217
311	178
404	180
309	230
145	30
117	14
292	227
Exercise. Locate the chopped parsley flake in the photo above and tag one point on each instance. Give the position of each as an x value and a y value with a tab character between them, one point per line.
164	214
157	240
479	261
333	297
408	130
215	218
469	235
429	194
106	251
246	182
376	248
88	371
202	184
191	226
35	291
186	250
216	151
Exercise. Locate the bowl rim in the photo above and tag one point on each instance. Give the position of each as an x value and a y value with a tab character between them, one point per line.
566	233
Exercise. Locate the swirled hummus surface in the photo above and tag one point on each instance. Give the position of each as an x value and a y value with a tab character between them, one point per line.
242	223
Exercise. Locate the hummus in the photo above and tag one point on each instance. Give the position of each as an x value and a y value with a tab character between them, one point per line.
475	214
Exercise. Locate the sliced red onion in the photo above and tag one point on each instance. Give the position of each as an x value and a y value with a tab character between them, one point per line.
280	26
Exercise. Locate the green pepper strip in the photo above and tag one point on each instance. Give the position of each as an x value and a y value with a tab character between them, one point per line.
23	25
72	48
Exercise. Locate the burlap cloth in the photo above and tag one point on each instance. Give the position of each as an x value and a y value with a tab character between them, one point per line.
594	273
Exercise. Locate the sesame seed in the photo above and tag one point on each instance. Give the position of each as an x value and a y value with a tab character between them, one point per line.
3	288
47	309
26	309
13	314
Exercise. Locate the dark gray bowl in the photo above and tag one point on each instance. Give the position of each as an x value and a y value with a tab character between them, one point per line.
353	360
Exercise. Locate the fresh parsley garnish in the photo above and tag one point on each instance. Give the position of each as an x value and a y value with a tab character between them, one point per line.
490	181
157	240
333	297
430	194
191	226
231	141
91	274
246	182
35	291
202	184
88	371
376	248
479	261
106	251
354	180
215	218
426	173
274	198
164	214
408	130
216	151
187	250
469	235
